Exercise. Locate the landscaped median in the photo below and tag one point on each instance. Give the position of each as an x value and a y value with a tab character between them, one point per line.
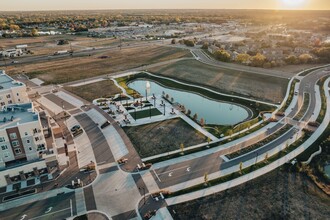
255	170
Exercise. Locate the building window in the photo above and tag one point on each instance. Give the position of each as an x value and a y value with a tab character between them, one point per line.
26	134
19	100
6	154
4	147
18	151
17	94
36	138
2	139
8	96
30	148
2	103
13	136
15	143
27	141
10	102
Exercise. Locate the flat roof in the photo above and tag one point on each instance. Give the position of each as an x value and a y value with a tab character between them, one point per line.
11	115
6	82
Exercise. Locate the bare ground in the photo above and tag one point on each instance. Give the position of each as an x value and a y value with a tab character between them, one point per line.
162	137
257	86
76	68
95	90
277	195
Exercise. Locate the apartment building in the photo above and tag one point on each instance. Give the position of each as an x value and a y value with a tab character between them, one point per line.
11	91
21	136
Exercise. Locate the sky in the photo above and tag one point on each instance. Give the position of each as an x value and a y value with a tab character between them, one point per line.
34	5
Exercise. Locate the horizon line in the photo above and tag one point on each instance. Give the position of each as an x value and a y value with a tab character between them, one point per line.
118	9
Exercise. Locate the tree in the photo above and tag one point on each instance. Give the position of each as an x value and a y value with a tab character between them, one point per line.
202	122
195	117
305	58
258	60
230	132
292	59
181	147
189	43
266	157
208	140
173	41
241	167
188	112
14	27
34	32
206	179
222	55
243	58
205	46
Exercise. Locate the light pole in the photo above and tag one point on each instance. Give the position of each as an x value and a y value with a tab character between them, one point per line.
147	88
164	109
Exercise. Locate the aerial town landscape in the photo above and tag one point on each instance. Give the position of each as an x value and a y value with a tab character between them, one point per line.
169	110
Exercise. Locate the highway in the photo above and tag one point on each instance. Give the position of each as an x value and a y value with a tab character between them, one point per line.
77	53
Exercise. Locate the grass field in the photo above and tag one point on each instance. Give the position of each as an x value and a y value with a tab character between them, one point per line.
145	113
162	137
228	81
276	195
105	88
76	68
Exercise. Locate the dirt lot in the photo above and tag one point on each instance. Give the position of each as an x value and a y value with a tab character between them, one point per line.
277	195
161	137
229	81
70	69
96	90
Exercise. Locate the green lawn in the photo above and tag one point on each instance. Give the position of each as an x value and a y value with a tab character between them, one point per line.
145	113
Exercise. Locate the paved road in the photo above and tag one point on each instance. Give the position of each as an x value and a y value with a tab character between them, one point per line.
57	207
78	53
99	144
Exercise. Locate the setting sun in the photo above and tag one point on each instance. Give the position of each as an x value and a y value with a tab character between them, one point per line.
293	3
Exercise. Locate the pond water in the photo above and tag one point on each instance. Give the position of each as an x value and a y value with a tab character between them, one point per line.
327	170
213	112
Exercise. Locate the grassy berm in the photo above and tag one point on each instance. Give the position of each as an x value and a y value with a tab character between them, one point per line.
276	195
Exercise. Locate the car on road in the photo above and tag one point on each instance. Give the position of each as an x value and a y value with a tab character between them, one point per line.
14	61
75	128
105	124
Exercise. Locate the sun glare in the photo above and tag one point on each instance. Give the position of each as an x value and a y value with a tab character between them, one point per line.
293	3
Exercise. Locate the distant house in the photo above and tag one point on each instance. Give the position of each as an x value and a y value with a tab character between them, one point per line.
301	50
273	54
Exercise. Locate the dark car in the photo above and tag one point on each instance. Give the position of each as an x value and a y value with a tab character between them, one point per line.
75	128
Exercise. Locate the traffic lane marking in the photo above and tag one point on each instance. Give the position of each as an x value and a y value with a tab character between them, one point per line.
50	213
171	171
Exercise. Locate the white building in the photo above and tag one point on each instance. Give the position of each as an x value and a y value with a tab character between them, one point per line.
22	141
11	91
12	52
